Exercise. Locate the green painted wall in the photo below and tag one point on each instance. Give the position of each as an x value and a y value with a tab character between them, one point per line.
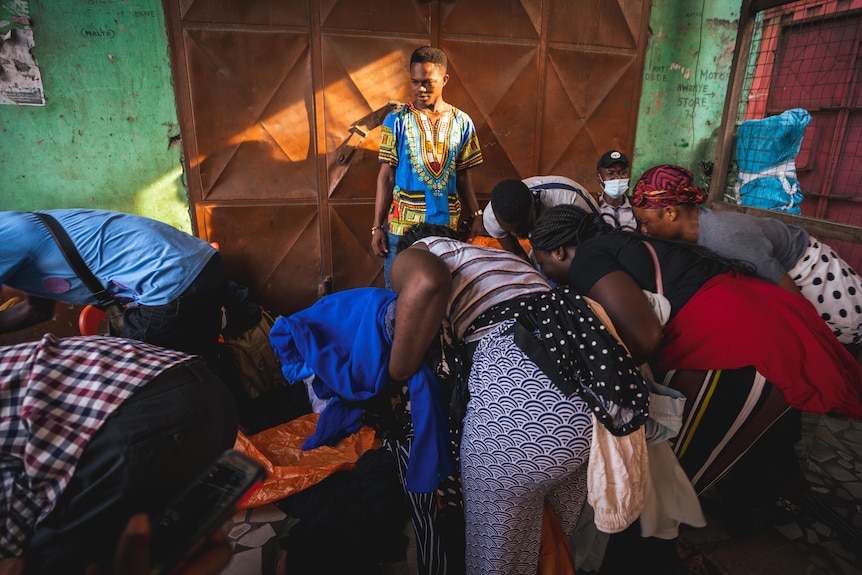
686	74
107	136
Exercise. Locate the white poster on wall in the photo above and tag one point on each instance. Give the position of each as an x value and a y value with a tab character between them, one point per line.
20	78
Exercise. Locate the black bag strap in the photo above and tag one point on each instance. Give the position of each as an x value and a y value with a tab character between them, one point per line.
561	186
70	252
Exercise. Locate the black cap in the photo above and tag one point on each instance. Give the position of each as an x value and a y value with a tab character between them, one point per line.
608	159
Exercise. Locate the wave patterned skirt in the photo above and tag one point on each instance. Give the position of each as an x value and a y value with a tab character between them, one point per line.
524	444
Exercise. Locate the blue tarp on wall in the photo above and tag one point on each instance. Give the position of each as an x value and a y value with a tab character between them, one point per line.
765	152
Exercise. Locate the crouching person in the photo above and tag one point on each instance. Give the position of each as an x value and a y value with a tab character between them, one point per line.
94	430
345	340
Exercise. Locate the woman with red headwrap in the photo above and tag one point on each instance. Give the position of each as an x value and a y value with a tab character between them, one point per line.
665	201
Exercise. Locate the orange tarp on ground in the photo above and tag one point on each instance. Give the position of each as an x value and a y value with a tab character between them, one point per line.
289	469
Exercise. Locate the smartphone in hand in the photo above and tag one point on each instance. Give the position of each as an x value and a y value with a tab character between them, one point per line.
211	500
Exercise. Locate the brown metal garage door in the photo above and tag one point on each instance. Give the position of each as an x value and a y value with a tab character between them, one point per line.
279	100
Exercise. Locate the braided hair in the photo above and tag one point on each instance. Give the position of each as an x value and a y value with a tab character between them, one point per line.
567	225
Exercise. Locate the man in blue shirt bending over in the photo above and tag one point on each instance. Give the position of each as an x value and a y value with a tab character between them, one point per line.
171	284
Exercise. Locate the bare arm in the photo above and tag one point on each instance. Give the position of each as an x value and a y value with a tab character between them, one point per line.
483	231
787	283
510	243
382	201
626	305
31	311
422	282
464	185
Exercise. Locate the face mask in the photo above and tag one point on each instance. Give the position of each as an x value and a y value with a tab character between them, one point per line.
616	188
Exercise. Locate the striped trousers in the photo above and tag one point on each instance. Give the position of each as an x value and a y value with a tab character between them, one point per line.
438	518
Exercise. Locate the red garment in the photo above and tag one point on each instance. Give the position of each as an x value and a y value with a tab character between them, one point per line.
735	321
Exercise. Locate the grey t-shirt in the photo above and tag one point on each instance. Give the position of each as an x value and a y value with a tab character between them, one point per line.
771	245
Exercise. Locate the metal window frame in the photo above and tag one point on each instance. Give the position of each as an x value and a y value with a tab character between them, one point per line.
727	131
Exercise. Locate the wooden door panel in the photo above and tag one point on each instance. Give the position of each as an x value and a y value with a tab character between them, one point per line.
252	110
353	263
360	78
600	23
588	100
275	13
494	18
404	16
280	104
274	249
847	207
816	66
812	171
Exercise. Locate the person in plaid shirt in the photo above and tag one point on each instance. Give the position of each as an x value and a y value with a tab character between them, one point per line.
93	430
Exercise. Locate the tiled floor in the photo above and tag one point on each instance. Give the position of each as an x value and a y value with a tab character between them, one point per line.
255	534
784	549
822	538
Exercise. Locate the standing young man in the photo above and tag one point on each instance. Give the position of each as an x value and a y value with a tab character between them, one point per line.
426	150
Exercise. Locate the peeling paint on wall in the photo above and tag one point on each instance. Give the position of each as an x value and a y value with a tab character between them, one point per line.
20	78
102	139
686	75
13	14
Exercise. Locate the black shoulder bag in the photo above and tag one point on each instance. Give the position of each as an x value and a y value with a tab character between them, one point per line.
70	252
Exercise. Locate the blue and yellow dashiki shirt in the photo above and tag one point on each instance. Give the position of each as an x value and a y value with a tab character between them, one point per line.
424	188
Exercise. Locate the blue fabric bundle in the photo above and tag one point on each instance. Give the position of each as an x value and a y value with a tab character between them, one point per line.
342	339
